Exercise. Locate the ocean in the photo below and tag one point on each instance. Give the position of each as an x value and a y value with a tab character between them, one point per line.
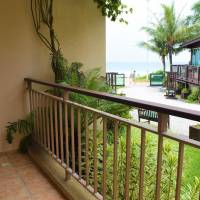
141	68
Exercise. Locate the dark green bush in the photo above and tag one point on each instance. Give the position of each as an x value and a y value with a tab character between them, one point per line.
179	88
185	91
22	126
194	96
24	144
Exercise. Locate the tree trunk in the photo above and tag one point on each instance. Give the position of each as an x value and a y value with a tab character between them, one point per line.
164	64
59	67
170	57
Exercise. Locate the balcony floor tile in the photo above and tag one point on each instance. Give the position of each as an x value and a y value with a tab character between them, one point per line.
21	179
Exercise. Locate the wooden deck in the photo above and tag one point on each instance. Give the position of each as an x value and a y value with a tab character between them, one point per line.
187	74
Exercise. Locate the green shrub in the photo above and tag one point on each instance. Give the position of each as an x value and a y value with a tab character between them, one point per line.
159	72
185	91
197	126
192	192
169	169
24	144
165	81
179	88
22	126
194	96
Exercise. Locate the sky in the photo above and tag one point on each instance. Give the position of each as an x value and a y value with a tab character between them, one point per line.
122	40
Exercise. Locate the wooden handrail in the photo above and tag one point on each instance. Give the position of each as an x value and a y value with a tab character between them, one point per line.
158	107
61	137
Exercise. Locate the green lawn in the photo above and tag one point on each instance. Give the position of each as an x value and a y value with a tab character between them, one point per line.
192	164
191	157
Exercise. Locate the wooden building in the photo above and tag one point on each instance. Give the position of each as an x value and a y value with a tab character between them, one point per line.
189	74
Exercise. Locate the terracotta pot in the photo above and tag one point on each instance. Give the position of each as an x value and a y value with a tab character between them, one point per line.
184	95
194	133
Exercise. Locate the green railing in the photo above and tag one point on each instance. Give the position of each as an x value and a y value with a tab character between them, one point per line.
156	79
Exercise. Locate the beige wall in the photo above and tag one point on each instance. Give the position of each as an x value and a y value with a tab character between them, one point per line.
81	31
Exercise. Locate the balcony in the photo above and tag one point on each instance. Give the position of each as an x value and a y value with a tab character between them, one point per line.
70	145
21	179
187	74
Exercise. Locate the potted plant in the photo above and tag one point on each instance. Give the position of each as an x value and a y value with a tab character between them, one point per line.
185	93
194	132
179	88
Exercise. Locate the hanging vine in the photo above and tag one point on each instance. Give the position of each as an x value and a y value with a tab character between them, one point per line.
43	20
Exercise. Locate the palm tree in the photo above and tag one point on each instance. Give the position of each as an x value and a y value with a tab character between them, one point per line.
157	43
174	29
193	21
167	34
195	17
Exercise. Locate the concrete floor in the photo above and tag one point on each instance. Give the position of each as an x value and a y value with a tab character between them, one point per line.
154	94
20	179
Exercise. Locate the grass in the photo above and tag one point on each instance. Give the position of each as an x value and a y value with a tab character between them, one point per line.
192	164
191	157
143	78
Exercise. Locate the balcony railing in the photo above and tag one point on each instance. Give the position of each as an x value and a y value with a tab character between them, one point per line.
188	73
115	80
66	130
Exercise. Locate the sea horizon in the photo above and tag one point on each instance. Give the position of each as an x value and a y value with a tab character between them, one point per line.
140	68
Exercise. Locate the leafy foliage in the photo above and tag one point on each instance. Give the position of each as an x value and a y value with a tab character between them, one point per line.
25	143
193	20
169	166
194	96
22	126
191	192
157	42
195	17
114	9
167	33
43	20
185	90
93	80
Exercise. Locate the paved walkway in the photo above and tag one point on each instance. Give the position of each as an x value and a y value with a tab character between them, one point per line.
154	94
20	179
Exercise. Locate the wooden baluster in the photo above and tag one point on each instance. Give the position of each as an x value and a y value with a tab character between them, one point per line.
56	127
142	164
31	102
52	128
128	161
44	120
66	140
30	95
34	120
162	127
65	98
37	117
187	72
115	179
47	122
95	152
72	139
61	131
40	118
79	143
179	170
87	148
104	156
198	75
